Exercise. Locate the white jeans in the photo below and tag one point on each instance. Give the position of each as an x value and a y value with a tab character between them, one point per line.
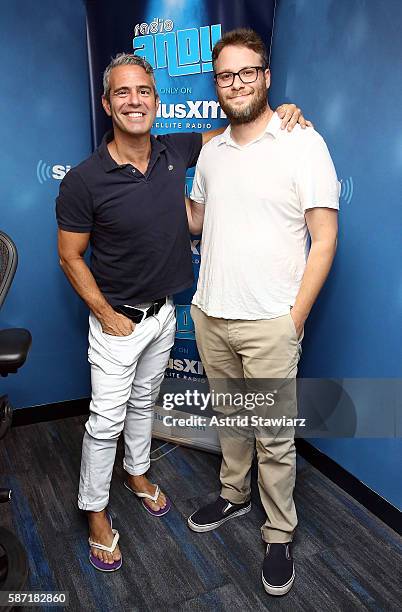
126	374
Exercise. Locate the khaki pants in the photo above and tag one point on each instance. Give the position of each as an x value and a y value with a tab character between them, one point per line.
236	352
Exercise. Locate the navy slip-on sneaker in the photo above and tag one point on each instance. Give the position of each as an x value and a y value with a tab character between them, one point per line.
213	515
278	572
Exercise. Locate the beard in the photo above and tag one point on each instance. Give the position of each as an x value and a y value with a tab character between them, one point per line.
246	113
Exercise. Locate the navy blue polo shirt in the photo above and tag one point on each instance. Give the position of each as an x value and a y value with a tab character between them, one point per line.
139	236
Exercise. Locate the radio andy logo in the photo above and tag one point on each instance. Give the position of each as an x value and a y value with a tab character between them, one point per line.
184	323
45	172
183	52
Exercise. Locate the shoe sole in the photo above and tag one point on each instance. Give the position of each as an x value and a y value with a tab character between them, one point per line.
212	526
157	513
278	590
103	569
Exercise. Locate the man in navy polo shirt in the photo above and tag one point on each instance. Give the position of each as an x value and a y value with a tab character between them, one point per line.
127	202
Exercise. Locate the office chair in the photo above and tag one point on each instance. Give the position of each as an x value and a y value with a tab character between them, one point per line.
14	347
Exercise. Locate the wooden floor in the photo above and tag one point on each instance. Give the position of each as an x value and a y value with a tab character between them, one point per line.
346	559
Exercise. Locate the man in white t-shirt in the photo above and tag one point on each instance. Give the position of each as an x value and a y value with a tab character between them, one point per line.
261	195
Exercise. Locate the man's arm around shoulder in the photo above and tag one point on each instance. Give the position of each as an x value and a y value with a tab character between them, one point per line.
289	113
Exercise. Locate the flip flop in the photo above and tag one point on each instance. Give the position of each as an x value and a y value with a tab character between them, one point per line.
153	498
97	563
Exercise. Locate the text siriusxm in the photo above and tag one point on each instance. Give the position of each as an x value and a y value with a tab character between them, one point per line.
190	366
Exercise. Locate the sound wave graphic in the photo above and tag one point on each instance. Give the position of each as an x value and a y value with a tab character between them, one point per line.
43	171
347	189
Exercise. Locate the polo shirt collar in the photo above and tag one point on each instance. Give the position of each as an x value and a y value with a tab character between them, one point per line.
272	127
107	161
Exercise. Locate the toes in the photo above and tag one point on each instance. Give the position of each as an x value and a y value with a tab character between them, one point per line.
153	505
159	504
110	558
107	557
104	556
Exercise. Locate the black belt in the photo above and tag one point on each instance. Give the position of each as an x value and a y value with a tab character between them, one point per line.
137	315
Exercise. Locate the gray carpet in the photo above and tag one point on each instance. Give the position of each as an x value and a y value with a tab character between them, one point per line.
346	559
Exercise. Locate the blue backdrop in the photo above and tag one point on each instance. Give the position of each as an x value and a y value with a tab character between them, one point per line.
344	71
46	129
341	62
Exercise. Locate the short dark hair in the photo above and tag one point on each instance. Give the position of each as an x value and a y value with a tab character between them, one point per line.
242	37
126	59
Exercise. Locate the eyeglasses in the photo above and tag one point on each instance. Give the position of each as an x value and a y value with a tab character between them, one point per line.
246	75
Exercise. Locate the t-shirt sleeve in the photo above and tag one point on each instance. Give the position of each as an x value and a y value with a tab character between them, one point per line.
316	180
188	145
198	191
74	207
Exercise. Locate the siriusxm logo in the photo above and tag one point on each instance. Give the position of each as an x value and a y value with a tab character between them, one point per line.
195	251
183	52
347	189
44	172
187	366
195	247
184	323
191	109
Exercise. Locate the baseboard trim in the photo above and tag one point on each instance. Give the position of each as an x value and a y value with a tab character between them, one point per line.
377	505
50	412
371	500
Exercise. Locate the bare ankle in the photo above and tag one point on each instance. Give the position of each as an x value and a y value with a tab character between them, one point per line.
138	479
95	518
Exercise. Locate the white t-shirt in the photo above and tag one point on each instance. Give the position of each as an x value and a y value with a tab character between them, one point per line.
255	239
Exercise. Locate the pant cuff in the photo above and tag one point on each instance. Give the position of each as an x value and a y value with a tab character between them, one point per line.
139	471
276	537
234	497
92	506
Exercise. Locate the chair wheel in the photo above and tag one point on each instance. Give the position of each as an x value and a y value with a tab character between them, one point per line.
6	416
13	563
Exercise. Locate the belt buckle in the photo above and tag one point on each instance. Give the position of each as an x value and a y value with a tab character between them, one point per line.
150	311
144	314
